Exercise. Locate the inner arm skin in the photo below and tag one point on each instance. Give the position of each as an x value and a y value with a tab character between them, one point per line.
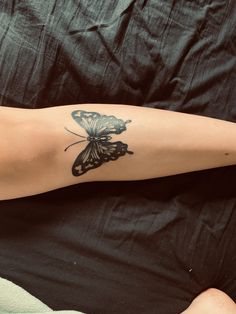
163	142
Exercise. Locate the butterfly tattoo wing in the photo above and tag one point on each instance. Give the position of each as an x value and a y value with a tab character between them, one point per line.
99	149
98	125
96	153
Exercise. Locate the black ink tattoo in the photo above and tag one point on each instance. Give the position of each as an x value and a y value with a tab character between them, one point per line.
99	149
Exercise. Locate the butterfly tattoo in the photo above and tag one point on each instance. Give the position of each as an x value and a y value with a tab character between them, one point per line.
99	148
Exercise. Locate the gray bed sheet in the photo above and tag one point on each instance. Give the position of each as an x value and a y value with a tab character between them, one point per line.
133	247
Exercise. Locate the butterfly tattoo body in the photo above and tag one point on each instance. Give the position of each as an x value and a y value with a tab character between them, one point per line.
99	148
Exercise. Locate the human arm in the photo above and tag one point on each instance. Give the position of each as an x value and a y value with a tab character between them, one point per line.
159	143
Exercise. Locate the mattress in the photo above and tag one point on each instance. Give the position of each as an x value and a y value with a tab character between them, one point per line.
147	246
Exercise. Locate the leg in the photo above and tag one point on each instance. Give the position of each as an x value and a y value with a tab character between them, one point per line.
212	301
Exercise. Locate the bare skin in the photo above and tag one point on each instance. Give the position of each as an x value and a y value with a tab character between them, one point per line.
39	152
211	301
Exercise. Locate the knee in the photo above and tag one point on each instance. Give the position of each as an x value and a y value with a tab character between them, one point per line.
214	297
210	301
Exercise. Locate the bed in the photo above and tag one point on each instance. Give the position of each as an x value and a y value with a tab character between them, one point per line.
129	247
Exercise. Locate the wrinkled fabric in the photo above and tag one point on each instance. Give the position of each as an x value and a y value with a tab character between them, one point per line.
22	302
122	247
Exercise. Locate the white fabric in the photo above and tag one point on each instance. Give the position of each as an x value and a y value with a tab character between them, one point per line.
14	299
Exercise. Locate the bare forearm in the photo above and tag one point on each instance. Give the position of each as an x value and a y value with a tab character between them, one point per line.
141	143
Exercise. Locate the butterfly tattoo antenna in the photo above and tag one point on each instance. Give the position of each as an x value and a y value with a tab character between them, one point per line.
74	132
75	142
